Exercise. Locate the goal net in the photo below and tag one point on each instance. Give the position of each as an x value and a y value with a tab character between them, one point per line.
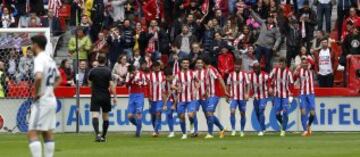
16	76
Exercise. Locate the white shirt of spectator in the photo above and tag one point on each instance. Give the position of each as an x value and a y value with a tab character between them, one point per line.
325	65
7	20
44	64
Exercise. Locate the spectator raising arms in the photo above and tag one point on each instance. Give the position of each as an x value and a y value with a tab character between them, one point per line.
268	41
115	45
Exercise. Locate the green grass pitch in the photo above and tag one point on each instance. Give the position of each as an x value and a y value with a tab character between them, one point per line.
125	145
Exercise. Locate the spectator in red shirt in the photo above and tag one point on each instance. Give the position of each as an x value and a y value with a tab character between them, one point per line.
153	9
66	73
352	19
225	61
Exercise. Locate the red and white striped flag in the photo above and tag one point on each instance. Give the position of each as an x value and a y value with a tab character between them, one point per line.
205	7
55	6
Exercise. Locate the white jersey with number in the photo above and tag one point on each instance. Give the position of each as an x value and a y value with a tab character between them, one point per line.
43	111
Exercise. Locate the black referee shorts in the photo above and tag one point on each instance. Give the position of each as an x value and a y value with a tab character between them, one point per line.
103	103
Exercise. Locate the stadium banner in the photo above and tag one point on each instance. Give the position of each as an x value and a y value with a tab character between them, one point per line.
332	114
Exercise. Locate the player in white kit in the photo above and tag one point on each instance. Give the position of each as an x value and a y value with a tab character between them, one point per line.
43	110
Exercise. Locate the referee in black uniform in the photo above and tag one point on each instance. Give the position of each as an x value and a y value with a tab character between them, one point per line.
101	85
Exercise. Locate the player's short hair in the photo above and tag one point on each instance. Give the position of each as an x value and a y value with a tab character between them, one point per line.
199	58
168	71
238	62
282	60
40	40
131	68
206	60
185	59
101	59
155	64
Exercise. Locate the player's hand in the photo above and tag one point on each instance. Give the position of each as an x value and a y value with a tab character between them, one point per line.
227	94
37	97
246	96
164	108
227	99
271	91
173	107
114	100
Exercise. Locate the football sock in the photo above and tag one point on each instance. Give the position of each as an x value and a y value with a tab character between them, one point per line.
279	118
157	124
105	128
153	121
132	121
49	147
138	126
242	122
95	123
262	119
311	119
170	120
35	148
183	126
285	120
196	127
232	121
217	123
210	124
303	121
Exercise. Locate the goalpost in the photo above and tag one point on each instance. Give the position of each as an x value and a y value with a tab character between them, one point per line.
16	78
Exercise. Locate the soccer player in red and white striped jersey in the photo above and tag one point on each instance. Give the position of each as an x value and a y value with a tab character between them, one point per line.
135	81
155	79
185	81
213	99
282	81
260	85
305	75
200	91
169	98
239	87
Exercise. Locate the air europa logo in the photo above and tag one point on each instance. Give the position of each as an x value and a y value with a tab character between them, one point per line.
24	113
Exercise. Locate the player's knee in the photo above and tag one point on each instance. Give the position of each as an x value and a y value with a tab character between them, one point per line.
209	114
191	115
242	113
312	112
32	135
130	116
182	117
48	136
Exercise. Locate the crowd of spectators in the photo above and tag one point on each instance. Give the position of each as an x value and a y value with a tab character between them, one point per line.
141	32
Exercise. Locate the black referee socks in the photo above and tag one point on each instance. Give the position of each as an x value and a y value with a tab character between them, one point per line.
95	123
105	128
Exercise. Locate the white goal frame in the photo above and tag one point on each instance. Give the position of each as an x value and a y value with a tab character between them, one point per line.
48	49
